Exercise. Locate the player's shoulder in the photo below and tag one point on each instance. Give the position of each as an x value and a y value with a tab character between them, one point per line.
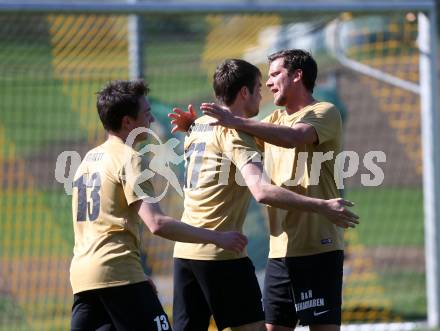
221	136
225	133
91	156
320	110
202	126
116	154
324	107
200	130
274	116
233	138
116	148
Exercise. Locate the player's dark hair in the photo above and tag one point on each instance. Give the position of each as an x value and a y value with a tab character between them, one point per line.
230	76
117	99
298	59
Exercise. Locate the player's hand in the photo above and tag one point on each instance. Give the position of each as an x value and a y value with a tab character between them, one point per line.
222	114
336	212
182	120
232	240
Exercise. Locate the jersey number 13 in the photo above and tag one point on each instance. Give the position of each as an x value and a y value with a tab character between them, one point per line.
88	206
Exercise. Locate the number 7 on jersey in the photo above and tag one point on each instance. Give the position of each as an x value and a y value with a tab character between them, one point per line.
194	152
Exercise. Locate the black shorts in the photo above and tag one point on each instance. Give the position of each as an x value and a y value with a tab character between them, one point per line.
307	289
127	307
228	290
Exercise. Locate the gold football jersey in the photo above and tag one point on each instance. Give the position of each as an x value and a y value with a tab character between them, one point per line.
107	230
216	196
295	232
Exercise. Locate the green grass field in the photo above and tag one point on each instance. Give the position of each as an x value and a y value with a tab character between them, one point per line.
389	216
392	219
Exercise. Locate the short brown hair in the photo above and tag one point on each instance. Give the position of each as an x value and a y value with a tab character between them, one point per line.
119	98
230	76
298	59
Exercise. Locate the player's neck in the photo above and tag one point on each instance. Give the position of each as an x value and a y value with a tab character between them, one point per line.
299	102
237	110
116	135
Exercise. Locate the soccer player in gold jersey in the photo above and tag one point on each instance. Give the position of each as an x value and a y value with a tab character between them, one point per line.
110	200
223	169
304	272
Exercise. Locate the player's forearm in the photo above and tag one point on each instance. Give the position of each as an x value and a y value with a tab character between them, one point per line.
162	225
273	134
282	198
172	229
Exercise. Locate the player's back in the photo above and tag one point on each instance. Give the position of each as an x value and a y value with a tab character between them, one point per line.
216	196
107	239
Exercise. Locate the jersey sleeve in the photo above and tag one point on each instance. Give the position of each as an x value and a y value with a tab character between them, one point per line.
134	179
326	122
239	147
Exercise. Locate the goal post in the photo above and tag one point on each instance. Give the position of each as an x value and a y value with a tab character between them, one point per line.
431	165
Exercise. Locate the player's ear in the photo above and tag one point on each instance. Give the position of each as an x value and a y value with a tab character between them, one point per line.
126	122
244	91
297	75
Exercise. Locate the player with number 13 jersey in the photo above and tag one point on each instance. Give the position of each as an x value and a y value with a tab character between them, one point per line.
111	200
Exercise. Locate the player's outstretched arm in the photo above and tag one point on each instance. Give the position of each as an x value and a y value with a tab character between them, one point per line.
167	227
284	136
335	210
181	120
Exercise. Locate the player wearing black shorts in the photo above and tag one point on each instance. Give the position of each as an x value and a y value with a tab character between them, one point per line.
301	142
208	280
304	289
109	202
109	309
